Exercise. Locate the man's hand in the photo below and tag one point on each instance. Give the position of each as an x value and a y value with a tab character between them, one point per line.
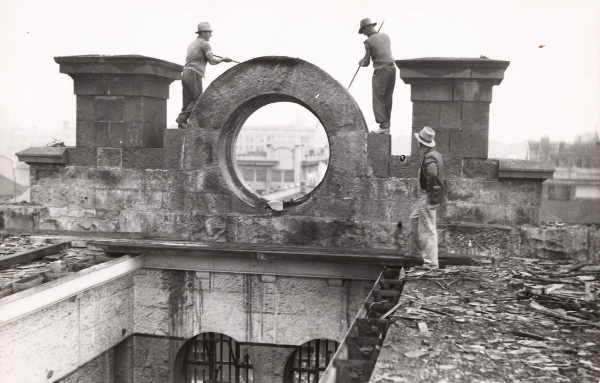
363	62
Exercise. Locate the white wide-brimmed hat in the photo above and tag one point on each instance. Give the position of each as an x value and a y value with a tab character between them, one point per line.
204	27
426	136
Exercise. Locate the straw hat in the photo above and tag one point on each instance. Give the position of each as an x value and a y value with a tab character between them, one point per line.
204	27
426	136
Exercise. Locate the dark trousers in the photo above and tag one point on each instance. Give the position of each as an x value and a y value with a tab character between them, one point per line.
191	83
384	80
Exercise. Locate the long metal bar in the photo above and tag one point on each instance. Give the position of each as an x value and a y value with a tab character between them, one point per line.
229	359
308	373
237	365
318	359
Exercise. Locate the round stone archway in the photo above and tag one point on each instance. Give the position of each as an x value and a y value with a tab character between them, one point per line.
236	94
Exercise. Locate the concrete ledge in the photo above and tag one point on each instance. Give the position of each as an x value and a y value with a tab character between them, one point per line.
130	64
27	301
523	169
452	67
44	155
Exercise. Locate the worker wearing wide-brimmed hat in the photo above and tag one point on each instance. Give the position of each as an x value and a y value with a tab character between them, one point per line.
199	53
378	48
432	179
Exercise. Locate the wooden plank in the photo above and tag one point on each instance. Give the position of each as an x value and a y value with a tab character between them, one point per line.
32	255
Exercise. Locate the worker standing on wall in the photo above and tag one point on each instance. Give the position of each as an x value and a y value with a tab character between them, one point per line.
378	48
423	240
199	53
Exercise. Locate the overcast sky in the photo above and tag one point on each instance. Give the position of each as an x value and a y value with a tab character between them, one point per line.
552	91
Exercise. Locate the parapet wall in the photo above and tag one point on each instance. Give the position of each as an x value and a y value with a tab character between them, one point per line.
187	189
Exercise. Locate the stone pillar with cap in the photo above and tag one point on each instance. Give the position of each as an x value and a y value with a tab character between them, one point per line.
121	100
453	95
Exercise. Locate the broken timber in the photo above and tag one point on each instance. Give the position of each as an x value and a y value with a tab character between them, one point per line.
32	255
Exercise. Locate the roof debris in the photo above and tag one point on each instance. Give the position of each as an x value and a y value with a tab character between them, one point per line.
27	275
512	319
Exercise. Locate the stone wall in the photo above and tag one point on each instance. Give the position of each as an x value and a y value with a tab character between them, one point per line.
194	205
248	308
58	339
75	339
188	189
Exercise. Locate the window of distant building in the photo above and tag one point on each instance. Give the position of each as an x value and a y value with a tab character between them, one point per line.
276	147
276	175
261	175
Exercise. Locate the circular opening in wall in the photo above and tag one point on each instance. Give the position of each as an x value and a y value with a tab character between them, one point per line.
281	154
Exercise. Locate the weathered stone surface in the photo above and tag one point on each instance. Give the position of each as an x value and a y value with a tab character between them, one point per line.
49	344
151	359
453	96
472	90
179	303
427	90
19	217
173	147
81	156
478	168
523	169
556	242
379	150
44	155
255	83
143	158
97	370
121	100
110	157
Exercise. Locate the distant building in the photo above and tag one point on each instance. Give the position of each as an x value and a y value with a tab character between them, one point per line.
9	188
281	163
573	194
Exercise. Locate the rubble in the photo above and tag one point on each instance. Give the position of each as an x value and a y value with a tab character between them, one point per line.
53	266
509	319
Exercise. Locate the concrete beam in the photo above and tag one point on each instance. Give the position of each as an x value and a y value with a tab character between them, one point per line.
34	299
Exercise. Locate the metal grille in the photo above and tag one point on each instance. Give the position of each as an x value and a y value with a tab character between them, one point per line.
216	358
309	361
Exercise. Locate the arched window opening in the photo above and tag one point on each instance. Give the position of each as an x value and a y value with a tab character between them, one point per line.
309	361
215	358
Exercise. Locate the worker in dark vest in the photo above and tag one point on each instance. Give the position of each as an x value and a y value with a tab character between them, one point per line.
432	180
378	48
199	53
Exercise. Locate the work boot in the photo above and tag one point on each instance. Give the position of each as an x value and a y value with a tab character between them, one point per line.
181	122
382	130
384	127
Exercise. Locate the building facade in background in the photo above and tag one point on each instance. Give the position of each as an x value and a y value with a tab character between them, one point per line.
573	194
281	162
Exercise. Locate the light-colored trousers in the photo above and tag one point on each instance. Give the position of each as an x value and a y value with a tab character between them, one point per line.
423	240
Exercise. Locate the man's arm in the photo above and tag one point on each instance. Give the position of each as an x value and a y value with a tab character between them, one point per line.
212	59
433	187
366	60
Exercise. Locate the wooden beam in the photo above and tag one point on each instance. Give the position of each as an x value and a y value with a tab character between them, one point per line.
32	255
